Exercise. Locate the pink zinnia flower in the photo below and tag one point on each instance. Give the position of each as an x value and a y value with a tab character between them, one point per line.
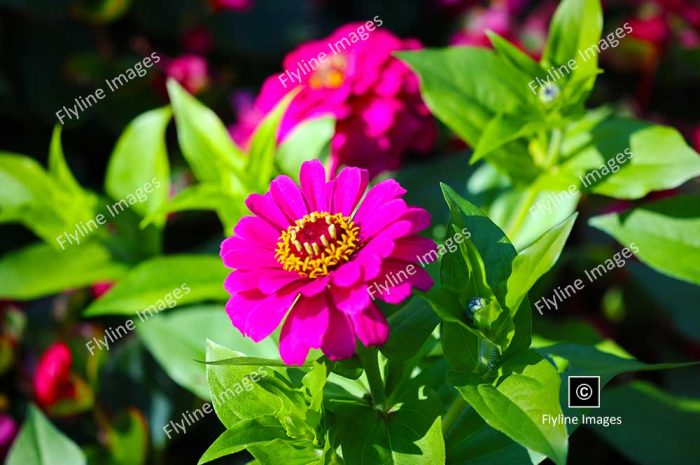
374	97
315	254
52	379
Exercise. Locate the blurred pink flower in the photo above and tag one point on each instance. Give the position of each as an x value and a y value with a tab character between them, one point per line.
315	255
374	97
8	431
191	71
231	5
248	116
480	20
52	378
101	287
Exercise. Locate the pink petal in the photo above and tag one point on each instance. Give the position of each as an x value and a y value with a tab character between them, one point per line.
258	230
378	195
315	286
287	195
267	209
382	217
349	188
267	315
312	178
272	281
347	274
307	322
249	258
351	299
370	326
339	341
413	249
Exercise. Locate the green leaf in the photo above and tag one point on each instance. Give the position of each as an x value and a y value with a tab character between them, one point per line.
575	28
203	138
646	171
665	233
138	166
664	430
263	145
492	244
31	197
534	261
127	438
235	399
409	327
516	58
410	435
40	443
678	298
161	283
40	270
279	452
516	405
177	340
463	99
308	140
242	434
502	129
58	168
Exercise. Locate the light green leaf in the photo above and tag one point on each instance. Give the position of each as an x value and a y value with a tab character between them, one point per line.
30	196
161	283
138	166
502	129
516	405
534	261
177	340
203	138
666	234
40	443
58	168
516	58
661	160
242	434
40	270
309	140
279	452
411	435
263	145
462	97
575	28
233	397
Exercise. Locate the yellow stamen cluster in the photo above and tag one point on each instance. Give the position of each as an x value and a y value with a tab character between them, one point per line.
330	75
316	243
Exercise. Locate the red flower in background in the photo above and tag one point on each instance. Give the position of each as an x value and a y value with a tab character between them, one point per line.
374	97
8	431
52	378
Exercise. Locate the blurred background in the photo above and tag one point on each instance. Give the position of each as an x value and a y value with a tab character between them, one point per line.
53	51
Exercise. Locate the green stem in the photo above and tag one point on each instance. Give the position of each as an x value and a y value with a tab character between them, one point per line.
523	212
453	414
370	360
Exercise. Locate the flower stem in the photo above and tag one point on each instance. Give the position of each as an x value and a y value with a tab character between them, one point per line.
370	360
453	414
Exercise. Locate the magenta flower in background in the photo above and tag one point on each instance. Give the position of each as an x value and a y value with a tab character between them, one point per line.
52	378
191	71
231	5
316	254
374	97
8	432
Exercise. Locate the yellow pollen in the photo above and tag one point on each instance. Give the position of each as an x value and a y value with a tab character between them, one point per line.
312	248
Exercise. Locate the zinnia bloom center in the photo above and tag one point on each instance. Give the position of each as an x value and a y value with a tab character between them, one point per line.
330	75
316	243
